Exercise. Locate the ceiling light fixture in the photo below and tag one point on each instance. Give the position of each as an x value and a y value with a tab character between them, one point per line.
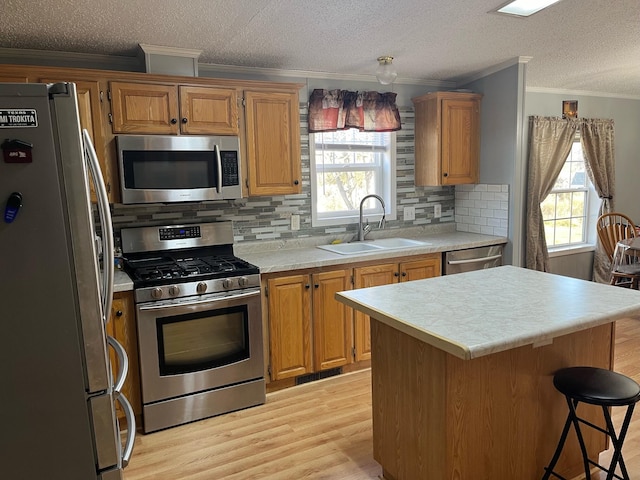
524	8
386	72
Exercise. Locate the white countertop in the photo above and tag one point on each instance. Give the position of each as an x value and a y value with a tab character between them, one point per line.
278	258
272	257
121	282
478	313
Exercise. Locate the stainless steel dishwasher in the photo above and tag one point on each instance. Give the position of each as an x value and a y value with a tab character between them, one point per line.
459	261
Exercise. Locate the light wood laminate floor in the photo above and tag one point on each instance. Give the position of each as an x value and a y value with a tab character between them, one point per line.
320	430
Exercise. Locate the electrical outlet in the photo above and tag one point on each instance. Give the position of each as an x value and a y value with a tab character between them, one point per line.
437	210
295	222
409	213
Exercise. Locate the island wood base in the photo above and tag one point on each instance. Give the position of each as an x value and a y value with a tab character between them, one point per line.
436	416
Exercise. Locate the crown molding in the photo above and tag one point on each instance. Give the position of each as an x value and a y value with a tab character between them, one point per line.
21	56
583	93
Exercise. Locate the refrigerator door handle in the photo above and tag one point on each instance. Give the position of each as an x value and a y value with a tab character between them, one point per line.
123	362
131	429
105	222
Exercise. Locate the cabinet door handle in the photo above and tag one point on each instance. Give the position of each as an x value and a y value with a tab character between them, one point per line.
119	313
316	286
173	121
445	174
296	182
307	286
184	120
404	274
396	274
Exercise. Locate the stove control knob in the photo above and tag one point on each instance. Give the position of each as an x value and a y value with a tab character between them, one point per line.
243	281
174	290
156	293
201	287
227	283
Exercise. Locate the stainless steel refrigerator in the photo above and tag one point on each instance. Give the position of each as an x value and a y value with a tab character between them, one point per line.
57	390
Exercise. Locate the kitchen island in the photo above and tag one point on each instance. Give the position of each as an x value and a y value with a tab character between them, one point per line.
462	370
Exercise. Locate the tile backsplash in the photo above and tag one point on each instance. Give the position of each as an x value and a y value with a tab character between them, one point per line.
482	208
268	218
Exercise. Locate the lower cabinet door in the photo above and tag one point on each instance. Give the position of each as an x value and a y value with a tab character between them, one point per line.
289	301
122	327
371	276
332	324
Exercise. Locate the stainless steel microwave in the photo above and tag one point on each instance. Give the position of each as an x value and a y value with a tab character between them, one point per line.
167	169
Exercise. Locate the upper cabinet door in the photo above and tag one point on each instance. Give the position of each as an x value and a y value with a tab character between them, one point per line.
90	110
273	142
11	78
460	141
447	138
144	108
208	110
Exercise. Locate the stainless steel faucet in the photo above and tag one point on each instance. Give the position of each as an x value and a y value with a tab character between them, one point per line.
364	229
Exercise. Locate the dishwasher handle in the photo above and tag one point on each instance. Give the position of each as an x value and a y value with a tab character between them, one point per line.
474	260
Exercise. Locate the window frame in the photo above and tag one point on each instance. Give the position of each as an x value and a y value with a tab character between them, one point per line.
591	206
386	183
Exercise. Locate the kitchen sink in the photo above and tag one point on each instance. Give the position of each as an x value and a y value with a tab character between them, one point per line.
351	248
398	243
372	246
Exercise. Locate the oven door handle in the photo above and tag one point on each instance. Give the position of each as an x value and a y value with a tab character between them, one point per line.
239	296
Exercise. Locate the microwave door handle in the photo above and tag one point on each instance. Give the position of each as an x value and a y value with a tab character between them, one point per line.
105	222
219	161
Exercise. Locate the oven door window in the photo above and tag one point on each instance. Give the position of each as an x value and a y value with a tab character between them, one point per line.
201	341
169	170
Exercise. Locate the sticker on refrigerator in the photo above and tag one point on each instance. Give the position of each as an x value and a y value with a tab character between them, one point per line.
16	151
18	118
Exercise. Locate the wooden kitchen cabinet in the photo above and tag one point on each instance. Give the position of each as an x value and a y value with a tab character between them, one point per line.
272	134
332	325
122	327
309	330
13	78
447	138
90	95
289	309
170	109
385	274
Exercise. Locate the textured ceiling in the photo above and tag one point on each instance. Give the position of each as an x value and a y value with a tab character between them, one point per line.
588	45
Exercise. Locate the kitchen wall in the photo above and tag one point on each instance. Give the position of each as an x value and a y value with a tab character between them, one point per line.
502	159
268	218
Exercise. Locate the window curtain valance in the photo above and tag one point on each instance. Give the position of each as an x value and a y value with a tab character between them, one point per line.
332	110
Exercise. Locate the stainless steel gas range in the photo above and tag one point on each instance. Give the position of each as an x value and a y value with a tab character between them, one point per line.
199	322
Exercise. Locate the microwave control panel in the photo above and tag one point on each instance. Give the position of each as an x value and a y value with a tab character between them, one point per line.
230	168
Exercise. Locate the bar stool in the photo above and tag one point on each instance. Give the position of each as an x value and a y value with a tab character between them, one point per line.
595	386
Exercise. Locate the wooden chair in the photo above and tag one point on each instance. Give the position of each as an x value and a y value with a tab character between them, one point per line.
611	228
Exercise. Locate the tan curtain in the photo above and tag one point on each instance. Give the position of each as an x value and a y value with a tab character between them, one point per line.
332	110
597	139
550	141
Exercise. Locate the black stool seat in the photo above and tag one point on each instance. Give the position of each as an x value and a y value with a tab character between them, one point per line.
604	388
597	386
